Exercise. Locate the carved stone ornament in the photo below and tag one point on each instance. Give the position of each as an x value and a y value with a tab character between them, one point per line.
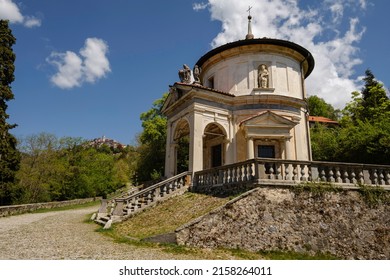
263	76
185	74
196	72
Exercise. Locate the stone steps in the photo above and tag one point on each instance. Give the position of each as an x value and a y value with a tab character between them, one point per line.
124	207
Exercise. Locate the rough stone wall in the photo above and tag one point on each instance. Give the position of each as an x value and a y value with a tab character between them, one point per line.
25	208
279	219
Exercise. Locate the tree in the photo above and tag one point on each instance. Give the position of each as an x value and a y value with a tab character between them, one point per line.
324	143
152	140
371	104
318	107
9	155
365	136
66	168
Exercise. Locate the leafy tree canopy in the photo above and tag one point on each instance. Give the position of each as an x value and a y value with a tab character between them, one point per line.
364	134
318	107
151	160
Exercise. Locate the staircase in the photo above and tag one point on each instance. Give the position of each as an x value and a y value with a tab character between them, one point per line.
121	208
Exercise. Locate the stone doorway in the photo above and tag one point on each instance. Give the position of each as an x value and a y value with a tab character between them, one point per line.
216	155
214	139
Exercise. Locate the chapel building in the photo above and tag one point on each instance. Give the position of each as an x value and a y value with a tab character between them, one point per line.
243	100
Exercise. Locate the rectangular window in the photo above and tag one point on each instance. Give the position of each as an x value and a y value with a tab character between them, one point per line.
211	82
266	151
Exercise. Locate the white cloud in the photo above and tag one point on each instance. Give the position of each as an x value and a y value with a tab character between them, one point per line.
318	28
32	22
337	10
199	6
10	11
73	69
96	64
69	67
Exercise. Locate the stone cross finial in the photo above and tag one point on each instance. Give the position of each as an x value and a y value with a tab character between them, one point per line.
249	10
249	35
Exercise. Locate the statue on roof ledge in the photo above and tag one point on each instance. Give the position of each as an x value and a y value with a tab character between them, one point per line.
196	72
185	74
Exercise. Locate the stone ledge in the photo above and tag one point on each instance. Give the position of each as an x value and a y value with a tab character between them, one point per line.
26	208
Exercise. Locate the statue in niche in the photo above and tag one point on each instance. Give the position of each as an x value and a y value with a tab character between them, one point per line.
263	77
185	74
196	72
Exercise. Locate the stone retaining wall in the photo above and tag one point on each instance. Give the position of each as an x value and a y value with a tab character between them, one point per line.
270	218
26	208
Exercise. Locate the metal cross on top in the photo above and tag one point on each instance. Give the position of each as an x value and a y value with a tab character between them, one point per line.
249	10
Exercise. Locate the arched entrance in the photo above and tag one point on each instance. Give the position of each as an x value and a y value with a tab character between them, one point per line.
182	140
214	146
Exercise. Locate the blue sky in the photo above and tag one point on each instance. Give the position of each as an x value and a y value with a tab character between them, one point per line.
90	68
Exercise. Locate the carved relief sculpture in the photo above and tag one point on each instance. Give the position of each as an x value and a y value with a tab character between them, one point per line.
196	72
185	74
263	77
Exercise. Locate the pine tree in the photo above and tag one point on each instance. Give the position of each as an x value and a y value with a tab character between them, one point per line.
9	155
374	98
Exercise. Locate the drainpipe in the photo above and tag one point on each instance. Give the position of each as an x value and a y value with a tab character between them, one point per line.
306	110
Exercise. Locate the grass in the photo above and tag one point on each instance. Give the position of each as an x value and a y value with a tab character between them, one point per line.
169	215
316	189
374	195
290	255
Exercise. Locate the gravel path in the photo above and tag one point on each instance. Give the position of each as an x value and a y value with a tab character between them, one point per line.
64	235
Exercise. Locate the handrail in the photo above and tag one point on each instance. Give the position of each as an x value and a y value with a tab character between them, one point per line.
153	187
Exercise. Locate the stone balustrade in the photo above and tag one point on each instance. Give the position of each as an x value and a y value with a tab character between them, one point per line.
262	171
119	209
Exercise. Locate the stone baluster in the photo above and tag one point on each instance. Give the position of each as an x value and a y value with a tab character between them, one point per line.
287	172
240	173
246	172
381	177
338	175
309	175
360	177
271	171
353	177
331	175
149	197
374	177
345	176
322	174
230	175
278	171
387	177
295	172
304	176
251	172
234	174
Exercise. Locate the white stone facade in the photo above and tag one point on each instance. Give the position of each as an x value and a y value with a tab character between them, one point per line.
233	116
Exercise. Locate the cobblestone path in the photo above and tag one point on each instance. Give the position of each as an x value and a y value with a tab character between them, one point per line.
64	235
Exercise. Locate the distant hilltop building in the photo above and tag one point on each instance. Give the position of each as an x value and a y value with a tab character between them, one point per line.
99	142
